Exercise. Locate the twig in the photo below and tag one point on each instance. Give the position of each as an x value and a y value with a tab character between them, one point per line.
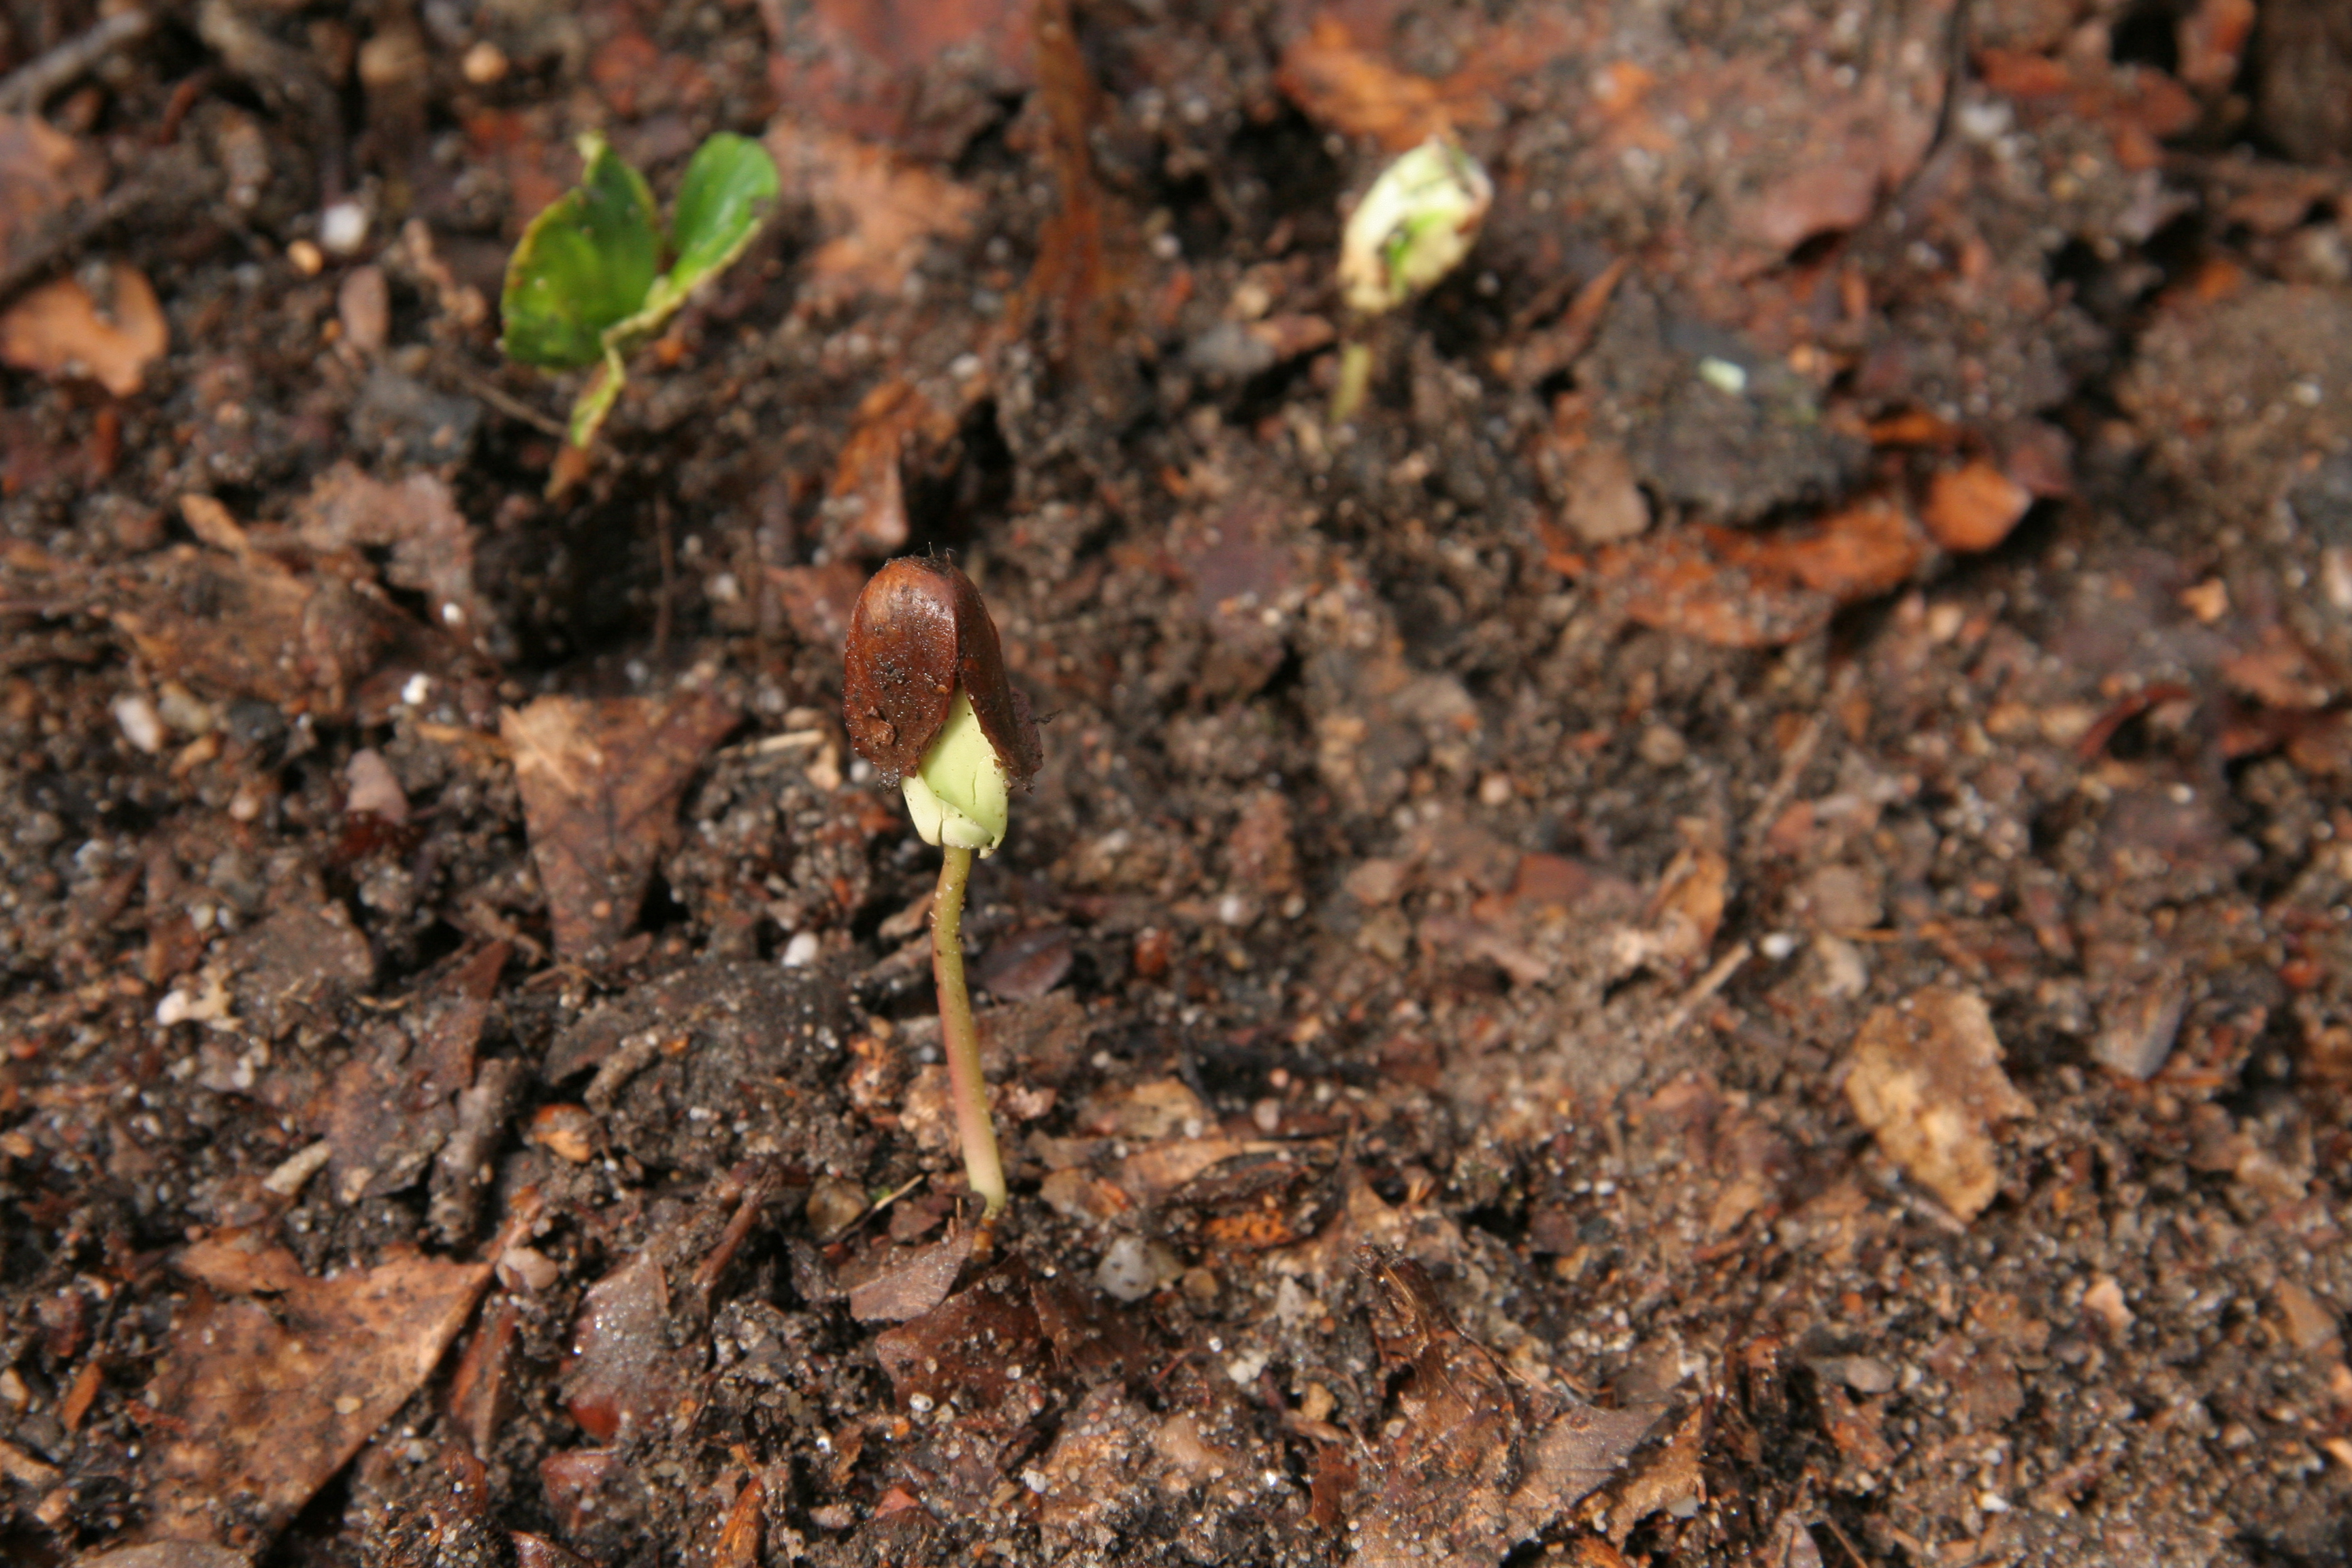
476	385
1859	1560
24	89
1800	757
1713	981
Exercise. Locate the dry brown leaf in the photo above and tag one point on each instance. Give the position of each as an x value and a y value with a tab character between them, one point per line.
257	629
1973	507
59	330
1333	73
880	210
892	1284
865	501
1926	1081
2277	673
1866	549
432	547
1476	1462
1738	589
624	1377
921	75
267	1403
1674	583
1358	94
600	782
738	1545
975	1347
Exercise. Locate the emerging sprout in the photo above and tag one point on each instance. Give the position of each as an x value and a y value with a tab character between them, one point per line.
1413	226
586	286
925	700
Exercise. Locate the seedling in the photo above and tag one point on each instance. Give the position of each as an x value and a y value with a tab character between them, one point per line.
586	286
925	700
1412	227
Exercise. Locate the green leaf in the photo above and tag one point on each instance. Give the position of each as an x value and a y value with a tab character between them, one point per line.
729	187
585	264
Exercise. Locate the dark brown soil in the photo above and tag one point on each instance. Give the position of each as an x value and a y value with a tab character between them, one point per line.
1720	931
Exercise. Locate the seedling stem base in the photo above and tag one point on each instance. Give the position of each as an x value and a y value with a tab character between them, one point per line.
975	1128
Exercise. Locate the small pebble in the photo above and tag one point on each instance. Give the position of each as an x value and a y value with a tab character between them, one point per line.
1126	1273
484	64
1663	746
182	708
834	1206
371	787
363	305
343	228
528	1268
566	1131
306	258
142	726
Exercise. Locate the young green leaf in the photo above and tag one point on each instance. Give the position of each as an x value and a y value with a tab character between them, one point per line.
584	264
729	187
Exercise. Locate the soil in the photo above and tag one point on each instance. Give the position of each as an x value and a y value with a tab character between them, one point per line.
1719	930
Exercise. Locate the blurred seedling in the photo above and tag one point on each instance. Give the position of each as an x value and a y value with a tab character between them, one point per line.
585	286
1412	227
926	699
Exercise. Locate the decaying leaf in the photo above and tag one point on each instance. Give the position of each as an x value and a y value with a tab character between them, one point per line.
297	966
866	500
60	329
269	1401
1343	86
624	1376
1738	589
416	519
1477	1462
881	210
243	623
1081	289
921	75
892	1284
600	781
975	1346
395	1102
1974	507
1926	1081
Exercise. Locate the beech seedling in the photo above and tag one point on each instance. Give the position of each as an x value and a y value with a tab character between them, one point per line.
1413	226
586	286
926	699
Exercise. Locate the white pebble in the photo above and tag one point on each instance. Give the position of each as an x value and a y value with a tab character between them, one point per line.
1125	1272
343	228
141	725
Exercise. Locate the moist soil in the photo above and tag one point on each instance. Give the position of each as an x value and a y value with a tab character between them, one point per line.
1714	931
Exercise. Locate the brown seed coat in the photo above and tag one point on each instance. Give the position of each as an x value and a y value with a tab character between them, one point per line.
921	629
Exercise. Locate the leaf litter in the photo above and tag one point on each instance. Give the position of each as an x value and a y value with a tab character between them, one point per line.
1820	1037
